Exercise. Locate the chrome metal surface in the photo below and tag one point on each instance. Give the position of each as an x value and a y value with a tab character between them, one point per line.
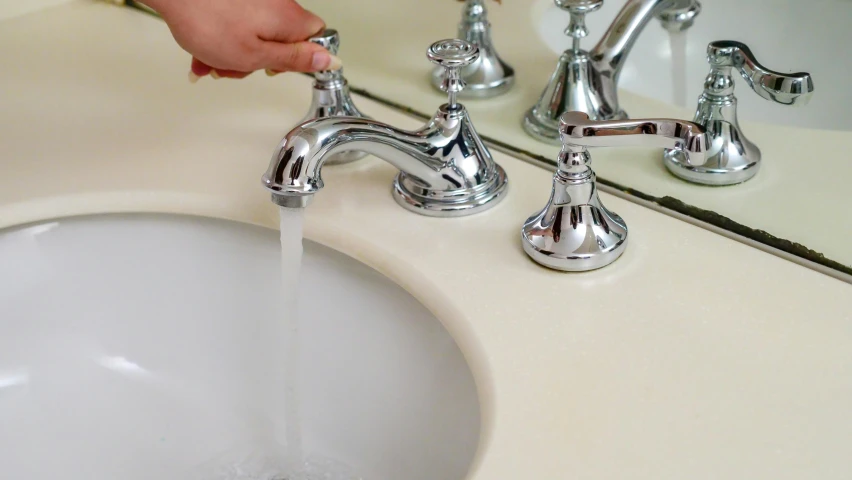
445	169
489	75
588	81
575	232
451	56
331	96
680	16
732	158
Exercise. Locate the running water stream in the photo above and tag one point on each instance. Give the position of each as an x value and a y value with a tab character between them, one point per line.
677	43
287	389
280	455
285	404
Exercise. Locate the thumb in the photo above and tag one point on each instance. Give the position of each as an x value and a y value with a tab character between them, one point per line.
306	57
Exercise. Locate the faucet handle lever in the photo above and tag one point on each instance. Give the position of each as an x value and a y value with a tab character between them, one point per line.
733	158
578	10
575	232
685	138
452	55
787	89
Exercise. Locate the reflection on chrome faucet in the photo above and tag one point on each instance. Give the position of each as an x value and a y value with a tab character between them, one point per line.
575	232
588	81
732	158
489	75
445	169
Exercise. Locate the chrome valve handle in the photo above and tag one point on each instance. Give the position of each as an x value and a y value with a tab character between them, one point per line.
331	96
732	157
578	10
328	39
489	75
452	55
784	88
575	232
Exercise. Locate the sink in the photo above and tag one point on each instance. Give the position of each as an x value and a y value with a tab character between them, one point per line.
126	353
758	24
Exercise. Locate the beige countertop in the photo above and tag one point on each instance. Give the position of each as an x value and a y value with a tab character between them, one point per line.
693	356
799	195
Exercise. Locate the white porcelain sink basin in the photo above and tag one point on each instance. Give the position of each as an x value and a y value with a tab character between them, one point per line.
126	349
785	35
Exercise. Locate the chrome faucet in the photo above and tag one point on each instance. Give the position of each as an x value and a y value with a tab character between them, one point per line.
588	81
489	75
575	232
331	96
445	169
732	158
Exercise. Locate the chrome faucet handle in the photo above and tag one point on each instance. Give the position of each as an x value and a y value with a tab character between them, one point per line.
578	10
784	88
733	158
331	97
328	39
575	232
489	75
452	55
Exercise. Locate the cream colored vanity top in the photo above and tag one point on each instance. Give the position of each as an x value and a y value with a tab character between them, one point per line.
15	8
693	356
800	190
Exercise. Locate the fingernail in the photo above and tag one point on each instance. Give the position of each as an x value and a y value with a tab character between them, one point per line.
271	72
336	63
215	74
193	78
317	24
325	61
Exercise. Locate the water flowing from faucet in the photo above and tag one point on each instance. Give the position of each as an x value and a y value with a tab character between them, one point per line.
677	42
287	391
286	397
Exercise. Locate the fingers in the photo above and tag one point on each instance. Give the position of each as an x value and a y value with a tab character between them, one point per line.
216	73
298	25
303	57
276	57
200	69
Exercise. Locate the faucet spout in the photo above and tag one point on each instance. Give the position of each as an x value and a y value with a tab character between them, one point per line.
445	169
609	55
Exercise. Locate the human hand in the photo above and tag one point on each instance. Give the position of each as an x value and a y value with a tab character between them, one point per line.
233	38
